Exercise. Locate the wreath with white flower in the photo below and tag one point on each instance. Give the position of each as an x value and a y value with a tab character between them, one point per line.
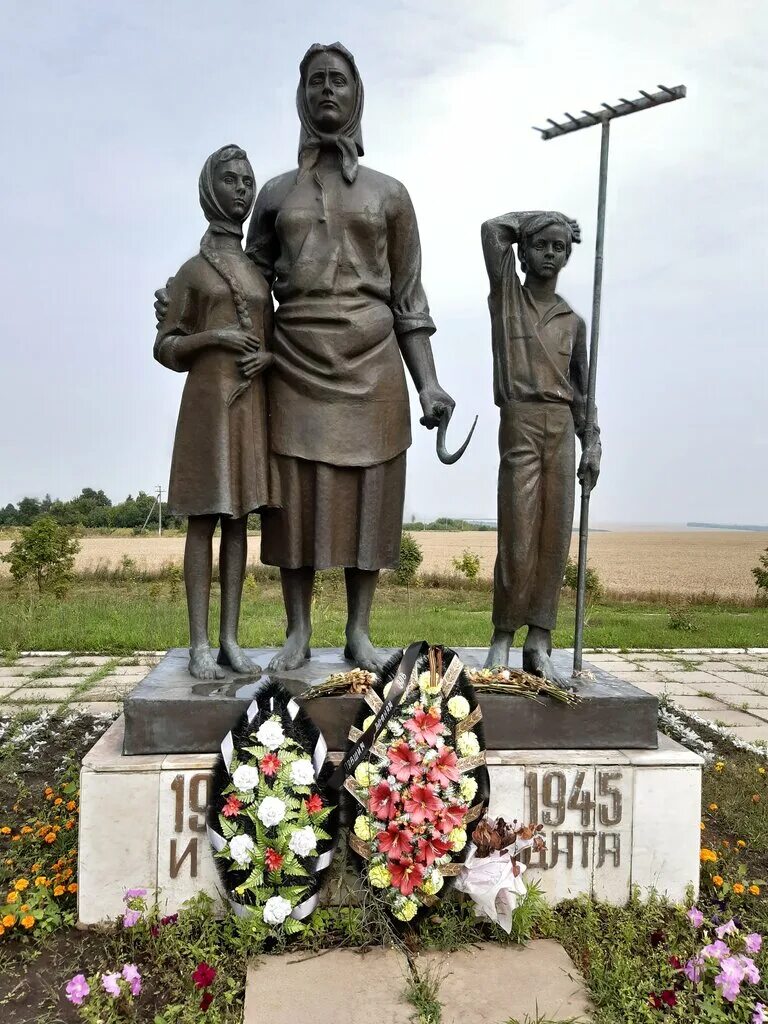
269	819
422	783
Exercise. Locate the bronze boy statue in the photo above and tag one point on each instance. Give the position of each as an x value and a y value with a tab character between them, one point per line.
540	385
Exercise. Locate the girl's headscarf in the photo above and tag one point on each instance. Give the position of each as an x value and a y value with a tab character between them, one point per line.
220	222
349	139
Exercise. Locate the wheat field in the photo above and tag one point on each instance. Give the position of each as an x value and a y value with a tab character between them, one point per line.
629	562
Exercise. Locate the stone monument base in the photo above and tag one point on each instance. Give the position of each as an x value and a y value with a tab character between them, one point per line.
170	712
613	819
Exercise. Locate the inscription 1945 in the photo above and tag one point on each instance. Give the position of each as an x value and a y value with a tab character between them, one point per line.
190	802
557	804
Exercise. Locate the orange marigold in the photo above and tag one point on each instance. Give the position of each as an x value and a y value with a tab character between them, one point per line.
71	805
48	791
740	843
57	801
24	908
51	837
12	897
5	830
28	921
15	839
9	920
717	880
2	931
755	890
72	887
756	798
706	855
59	890
21	884
25	830
738	888
41	880
35	868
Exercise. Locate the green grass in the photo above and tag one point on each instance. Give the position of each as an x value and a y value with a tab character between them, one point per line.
116	616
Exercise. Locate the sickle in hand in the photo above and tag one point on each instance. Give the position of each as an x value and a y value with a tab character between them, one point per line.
443	454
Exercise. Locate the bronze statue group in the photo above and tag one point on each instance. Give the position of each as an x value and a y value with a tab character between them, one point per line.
301	413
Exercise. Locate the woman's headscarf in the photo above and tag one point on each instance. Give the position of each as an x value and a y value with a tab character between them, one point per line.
349	139
220	222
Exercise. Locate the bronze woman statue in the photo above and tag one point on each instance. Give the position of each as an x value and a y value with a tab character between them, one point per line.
218	322
339	244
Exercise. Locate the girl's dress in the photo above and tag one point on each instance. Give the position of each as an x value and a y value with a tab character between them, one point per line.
220	460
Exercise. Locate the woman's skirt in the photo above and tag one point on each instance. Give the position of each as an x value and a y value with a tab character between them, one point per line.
331	516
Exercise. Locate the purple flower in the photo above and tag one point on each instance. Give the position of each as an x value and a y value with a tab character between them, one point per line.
751	972
717	950
134	894
131	917
760	1016
753	942
729	979
132	976
727	929
696	917
111	983
77	989
692	969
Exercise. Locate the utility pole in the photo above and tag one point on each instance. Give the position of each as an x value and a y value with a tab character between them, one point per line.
159	500
574	124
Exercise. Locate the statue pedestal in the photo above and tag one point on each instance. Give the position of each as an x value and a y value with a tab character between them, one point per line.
613	818
169	712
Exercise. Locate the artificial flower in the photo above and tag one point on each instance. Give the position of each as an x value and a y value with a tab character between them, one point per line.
276	909
468	744
426	685
458	707
246	777
404	763
302	772
406	875
426	726
383	801
314	804
433	883
272	859
365	774
271	811
270	734
406	911
111	984
131	974
203	975
443	770
450	817
270	764
395	841
431	849
303	841
696	917
379	876
240	848
77	989
364	828
231	806
458	839
368	722
422	804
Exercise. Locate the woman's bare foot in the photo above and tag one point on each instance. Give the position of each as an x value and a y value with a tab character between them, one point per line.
498	652
232	655
294	653
202	665
537	660
361	652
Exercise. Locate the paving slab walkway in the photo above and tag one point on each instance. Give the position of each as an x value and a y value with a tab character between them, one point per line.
484	984
724	686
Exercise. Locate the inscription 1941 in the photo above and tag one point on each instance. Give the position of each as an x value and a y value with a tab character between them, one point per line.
558	804
190	802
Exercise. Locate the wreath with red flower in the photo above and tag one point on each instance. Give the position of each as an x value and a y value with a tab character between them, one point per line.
421	784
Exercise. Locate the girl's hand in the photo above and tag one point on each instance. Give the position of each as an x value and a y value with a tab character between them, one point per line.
238	341
254	363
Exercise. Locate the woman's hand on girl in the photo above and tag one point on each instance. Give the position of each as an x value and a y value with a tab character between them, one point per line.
238	341
253	364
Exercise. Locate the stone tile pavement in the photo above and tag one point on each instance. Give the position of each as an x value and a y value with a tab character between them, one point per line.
728	687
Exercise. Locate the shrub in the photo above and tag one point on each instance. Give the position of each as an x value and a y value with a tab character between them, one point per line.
680	618
46	553
411	557
468	564
760	572
594	586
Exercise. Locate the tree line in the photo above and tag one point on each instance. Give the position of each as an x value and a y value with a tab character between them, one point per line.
91	509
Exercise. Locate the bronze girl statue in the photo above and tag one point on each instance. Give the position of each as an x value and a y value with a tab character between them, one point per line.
216	329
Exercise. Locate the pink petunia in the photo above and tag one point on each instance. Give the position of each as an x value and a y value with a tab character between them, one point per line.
111	984
383	801
134	894
726	929
753	943
716	950
423	804
131	974
77	989
760	1016
696	917
443	770
131	918
404	763
426	726
692	969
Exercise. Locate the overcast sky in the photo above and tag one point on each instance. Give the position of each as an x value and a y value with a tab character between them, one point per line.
109	110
